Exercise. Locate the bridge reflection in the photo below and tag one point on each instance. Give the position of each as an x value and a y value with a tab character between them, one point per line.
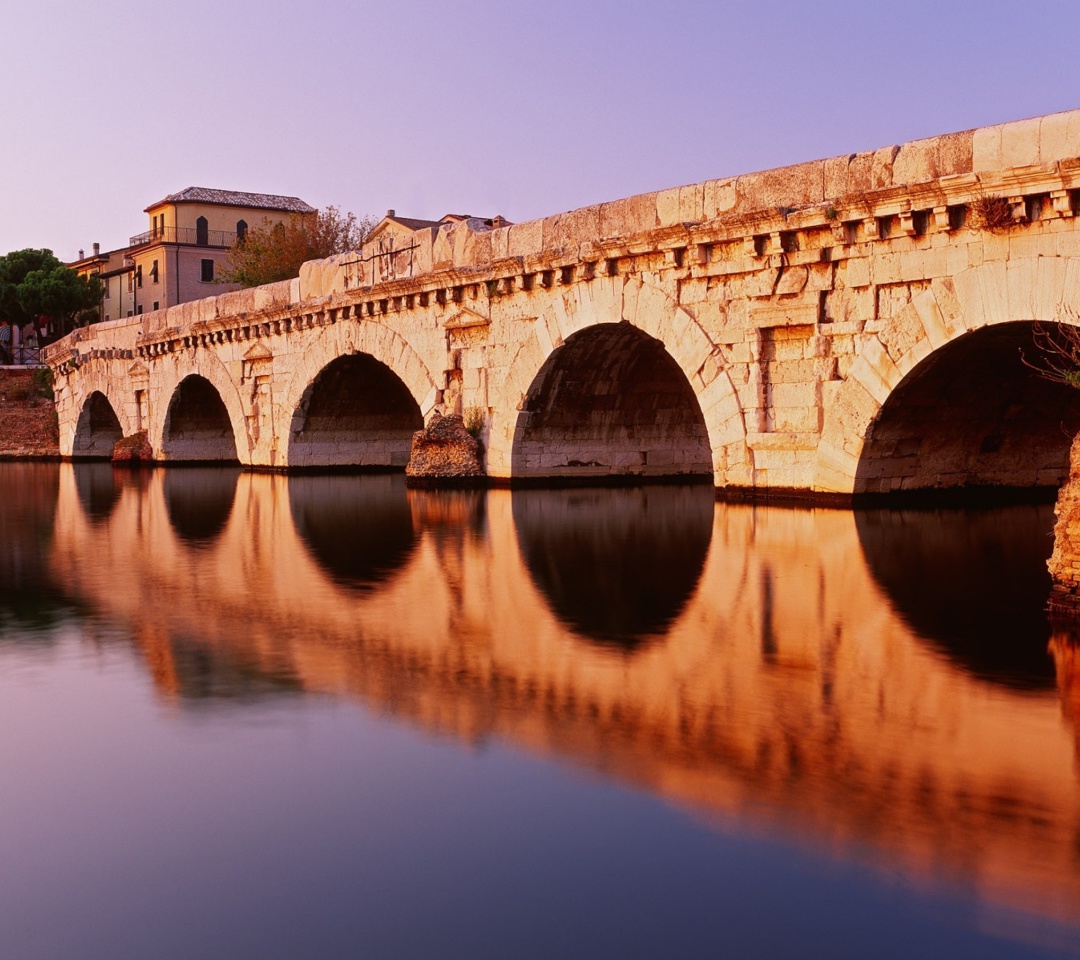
359	529
616	565
791	682
983	586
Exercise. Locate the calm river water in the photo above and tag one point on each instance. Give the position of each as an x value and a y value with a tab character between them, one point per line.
253	716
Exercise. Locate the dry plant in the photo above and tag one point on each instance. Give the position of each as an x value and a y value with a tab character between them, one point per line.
474	421
990	212
1057	350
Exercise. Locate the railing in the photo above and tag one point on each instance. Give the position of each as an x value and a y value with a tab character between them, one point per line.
20	355
205	238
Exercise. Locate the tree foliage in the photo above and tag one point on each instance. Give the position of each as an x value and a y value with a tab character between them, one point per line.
34	282
275	251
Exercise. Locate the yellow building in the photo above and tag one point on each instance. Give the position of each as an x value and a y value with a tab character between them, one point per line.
178	259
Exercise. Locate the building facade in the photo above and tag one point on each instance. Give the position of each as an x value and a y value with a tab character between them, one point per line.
179	258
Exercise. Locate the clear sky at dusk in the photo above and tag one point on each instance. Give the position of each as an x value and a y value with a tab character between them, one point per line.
479	106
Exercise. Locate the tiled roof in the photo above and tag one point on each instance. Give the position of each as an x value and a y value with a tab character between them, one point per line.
236	198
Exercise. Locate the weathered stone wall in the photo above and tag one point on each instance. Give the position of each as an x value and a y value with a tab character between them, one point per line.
792	303
1064	563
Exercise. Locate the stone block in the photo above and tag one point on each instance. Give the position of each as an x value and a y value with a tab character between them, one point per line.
565	231
1020	143
720	197
1059	137
799	185
621	218
526	238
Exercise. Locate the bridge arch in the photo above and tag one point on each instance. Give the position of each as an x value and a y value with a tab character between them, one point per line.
633	329
197	425
357	395
940	397
227	443
97	428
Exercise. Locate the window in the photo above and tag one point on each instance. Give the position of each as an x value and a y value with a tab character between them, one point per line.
108	289
241	230
202	232
138	309
138	276
208	271
155	305
154	272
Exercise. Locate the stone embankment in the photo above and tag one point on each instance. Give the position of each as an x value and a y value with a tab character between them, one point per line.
28	425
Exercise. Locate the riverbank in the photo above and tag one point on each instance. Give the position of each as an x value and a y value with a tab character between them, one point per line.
28	424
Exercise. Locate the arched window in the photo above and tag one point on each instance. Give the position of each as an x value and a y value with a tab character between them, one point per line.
241	230
202	232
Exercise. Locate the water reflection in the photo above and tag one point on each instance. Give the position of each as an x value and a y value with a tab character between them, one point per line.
616	565
199	501
359	528
99	488
972	582
28	494
778	691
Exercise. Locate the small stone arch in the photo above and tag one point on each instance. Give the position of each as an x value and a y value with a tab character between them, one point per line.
97	428
197	426
207	367
1014	292
383	347
652	311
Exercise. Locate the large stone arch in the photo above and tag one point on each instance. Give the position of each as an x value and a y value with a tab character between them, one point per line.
209	367
654	312
342	340
1017	291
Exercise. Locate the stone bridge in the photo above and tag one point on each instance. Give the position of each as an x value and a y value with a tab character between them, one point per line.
845	326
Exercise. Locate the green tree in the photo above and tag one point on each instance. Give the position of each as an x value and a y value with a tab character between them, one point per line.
275	251
35	282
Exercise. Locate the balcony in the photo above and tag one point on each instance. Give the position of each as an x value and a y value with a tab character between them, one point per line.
197	238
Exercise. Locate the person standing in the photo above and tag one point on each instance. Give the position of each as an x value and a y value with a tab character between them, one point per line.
5	342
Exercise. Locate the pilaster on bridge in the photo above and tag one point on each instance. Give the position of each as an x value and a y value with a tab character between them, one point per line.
845	326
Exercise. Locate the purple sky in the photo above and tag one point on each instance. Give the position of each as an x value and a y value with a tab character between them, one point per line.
482	107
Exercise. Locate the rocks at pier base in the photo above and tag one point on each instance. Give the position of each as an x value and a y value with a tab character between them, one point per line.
444	454
133	450
1064	563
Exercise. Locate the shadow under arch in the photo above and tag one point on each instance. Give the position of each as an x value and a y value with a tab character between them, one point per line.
97	429
617	565
972	415
358	529
356	413
199	501
610	402
970	582
197	425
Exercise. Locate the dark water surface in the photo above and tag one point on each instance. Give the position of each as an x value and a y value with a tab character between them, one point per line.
249	716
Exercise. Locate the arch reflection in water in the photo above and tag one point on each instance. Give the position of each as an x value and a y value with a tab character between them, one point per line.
972	582
616	565
358	528
199	501
99	489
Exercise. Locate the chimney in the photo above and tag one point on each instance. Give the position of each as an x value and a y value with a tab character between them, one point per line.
97	249
82	254
498	221
391	212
